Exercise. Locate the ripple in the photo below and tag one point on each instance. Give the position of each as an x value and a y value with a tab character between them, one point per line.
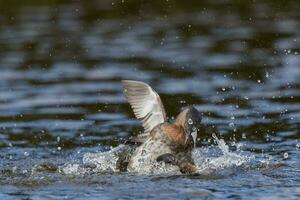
61	97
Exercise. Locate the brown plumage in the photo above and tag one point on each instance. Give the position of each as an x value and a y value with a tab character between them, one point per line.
162	141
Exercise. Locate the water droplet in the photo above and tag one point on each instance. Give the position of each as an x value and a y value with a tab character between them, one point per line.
14	169
267	75
267	137
285	155
58	139
58	148
190	121
244	136
26	153
231	124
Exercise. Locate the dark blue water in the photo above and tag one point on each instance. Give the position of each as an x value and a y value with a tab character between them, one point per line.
61	97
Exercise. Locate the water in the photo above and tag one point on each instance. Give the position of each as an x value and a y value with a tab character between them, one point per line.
61	98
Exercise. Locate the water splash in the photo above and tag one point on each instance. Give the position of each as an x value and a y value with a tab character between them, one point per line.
97	162
208	160
111	161
217	158
104	161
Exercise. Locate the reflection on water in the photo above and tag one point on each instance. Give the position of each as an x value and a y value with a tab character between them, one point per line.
60	93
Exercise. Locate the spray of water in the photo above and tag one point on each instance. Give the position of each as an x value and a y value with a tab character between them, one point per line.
210	159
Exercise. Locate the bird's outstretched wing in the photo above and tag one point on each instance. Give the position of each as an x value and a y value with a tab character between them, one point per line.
146	104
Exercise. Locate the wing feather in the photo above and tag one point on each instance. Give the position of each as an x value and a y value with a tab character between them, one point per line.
146	104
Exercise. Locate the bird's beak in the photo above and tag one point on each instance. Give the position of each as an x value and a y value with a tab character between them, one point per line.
192	135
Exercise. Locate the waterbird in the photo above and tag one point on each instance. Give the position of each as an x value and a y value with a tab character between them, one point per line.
162	141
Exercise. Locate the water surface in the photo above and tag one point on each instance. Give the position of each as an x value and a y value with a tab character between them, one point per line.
61	97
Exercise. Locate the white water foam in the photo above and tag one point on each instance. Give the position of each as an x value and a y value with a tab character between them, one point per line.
212	158
95	162
104	161
207	159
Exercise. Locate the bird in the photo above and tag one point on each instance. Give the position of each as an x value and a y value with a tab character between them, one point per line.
162	142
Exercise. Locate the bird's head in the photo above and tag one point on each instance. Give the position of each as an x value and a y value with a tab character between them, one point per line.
190	120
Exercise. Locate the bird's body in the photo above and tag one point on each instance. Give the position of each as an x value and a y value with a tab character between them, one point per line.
164	143
147	153
156	145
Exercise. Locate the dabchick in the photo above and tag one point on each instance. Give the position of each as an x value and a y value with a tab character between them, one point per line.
162	141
